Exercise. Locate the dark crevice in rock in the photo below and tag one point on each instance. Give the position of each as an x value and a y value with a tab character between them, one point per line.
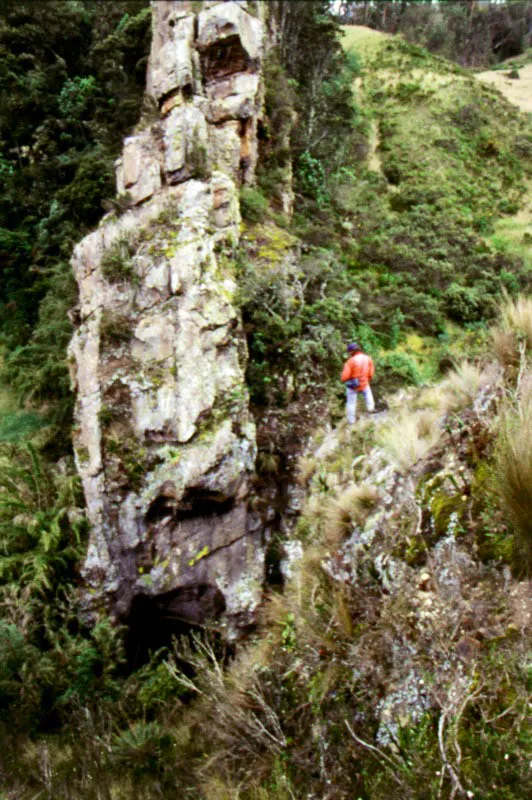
198	503
153	622
224	58
194	503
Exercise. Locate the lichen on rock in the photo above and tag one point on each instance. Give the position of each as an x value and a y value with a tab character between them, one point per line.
164	441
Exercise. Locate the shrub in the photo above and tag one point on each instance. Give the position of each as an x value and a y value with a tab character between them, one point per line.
253	204
394	370
462	303
117	264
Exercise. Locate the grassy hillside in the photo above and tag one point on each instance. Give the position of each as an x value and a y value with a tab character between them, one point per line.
437	207
408	245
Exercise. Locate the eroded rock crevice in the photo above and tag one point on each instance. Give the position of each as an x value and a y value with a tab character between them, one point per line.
164	441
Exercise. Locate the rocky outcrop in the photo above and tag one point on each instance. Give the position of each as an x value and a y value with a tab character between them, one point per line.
163	439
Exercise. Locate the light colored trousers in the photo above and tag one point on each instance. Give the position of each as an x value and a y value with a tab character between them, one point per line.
351	402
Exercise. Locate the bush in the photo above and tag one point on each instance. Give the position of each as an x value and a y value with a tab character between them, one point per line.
394	370
253	204
117	262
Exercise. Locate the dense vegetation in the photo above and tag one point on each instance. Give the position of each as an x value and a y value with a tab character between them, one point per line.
72	77
393	242
398	188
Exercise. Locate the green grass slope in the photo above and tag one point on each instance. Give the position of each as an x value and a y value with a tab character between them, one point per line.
449	158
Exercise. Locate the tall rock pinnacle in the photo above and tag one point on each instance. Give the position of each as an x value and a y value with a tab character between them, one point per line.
163	439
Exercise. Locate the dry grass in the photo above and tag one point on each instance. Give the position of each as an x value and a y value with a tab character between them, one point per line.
514	469
410	438
514	327
463	385
352	505
432	397
306	468
516	315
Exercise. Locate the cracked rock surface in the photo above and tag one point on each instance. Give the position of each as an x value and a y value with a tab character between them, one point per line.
164	442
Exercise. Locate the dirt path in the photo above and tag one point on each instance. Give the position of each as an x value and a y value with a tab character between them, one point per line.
517	90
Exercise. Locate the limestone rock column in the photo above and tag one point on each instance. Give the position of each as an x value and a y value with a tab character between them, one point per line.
163	438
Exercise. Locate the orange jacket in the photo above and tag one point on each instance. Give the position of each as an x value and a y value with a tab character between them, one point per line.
359	366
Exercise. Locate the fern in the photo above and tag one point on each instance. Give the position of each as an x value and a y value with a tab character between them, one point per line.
40	536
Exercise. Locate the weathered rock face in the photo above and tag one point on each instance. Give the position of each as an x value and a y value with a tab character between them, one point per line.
163	438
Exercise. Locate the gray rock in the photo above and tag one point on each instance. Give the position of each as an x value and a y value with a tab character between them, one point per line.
164	442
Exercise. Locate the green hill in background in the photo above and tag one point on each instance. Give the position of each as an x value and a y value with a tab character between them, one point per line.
418	228
452	158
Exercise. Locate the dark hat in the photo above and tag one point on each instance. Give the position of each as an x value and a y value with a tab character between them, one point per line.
353	347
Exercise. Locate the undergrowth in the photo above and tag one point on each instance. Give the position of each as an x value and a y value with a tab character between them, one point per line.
369	676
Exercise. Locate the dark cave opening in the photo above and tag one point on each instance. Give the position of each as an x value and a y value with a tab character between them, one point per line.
155	621
194	503
224	58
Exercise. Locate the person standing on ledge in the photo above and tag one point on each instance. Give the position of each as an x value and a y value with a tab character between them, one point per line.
357	372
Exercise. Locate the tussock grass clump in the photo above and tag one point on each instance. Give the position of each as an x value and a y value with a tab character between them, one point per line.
515	327
411	438
350	506
431	398
306	469
514	470
463	385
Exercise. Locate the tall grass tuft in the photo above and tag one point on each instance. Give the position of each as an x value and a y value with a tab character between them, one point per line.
515	327
350	506
463	385
411	438
514	471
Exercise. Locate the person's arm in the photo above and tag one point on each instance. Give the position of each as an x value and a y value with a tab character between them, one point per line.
346	372
371	368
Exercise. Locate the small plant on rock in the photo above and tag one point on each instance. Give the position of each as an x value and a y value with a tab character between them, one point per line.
117	264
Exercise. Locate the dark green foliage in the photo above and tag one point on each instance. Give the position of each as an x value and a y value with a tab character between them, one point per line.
20	425
38	370
40	540
253	204
295	331
312	76
72	76
47	661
